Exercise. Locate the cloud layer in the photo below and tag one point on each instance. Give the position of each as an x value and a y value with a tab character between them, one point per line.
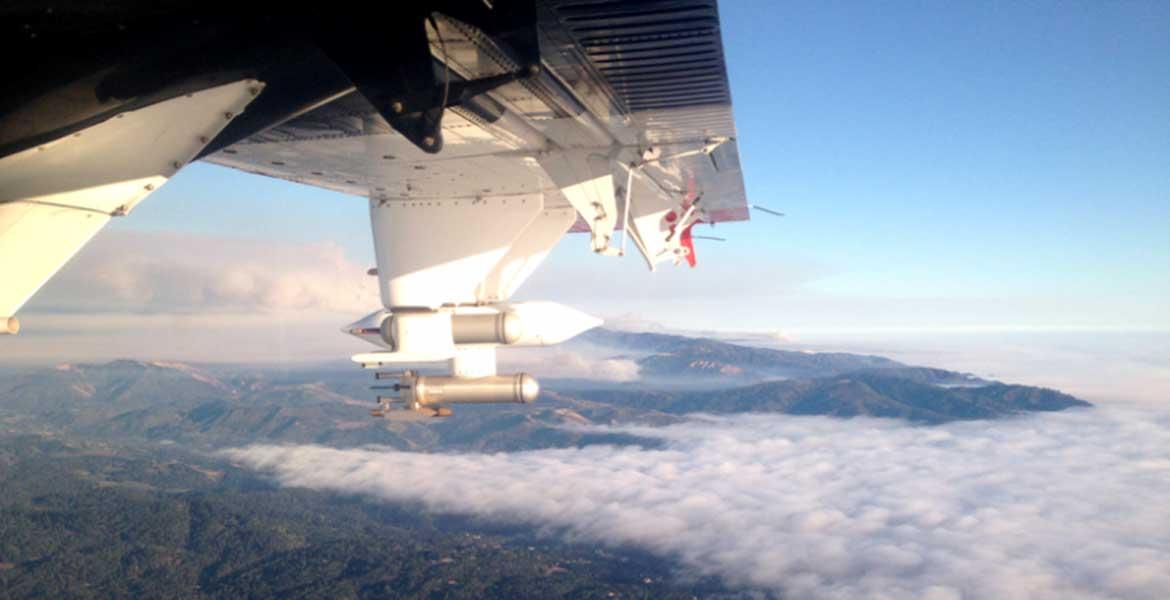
178	273
1069	505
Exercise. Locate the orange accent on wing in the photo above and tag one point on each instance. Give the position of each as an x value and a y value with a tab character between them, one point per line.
686	241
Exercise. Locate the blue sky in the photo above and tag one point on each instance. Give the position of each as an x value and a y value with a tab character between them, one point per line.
943	165
985	148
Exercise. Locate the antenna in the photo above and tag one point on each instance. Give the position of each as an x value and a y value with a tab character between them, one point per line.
767	210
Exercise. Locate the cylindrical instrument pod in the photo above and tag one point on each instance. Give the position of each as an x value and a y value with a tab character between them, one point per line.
487	328
427	390
495	328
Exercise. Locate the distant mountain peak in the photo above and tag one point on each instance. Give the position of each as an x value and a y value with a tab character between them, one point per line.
136	365
193	372
677	356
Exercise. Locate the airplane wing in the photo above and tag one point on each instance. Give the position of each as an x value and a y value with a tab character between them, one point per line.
480	133
628	86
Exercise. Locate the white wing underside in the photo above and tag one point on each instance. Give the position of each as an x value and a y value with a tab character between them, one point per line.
345	146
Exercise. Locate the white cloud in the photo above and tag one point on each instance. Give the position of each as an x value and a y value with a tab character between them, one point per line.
196	298
180	273
583	362
1068	505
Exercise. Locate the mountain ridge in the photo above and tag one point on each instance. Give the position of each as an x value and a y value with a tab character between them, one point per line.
206	406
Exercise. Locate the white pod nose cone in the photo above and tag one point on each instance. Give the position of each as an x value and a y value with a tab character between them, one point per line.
368	328
547	323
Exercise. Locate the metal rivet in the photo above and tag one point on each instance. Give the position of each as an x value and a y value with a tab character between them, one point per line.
149	187
396	106
428	141
229	116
